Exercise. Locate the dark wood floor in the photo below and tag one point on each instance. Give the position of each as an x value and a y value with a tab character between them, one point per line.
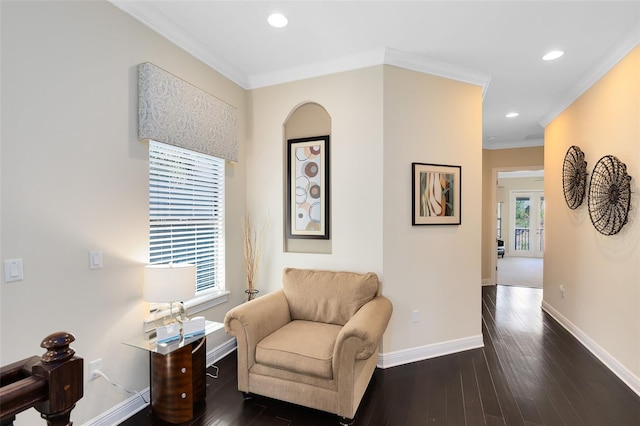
530	372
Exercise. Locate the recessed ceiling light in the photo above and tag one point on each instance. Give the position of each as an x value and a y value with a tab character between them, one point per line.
555	54
512	114
277	20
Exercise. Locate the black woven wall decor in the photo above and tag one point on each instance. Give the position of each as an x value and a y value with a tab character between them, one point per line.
574	177
609	195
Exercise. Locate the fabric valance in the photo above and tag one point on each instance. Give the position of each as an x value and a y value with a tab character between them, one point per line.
174	112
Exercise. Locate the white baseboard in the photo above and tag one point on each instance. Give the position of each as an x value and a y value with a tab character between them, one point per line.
221	351
607	359
486	281
406	356
122	411
132	405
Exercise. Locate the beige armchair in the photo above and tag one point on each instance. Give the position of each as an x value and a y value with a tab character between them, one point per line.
314	342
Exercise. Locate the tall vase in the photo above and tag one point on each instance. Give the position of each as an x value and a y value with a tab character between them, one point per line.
251	294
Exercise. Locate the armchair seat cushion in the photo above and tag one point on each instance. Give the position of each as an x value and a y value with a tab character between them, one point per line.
303	347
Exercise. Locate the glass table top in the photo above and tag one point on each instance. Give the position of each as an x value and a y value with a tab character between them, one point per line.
148	342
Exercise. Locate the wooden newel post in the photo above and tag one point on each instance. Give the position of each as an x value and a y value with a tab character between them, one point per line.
52	383
63	371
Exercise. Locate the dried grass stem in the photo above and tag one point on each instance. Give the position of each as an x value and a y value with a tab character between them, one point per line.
252	251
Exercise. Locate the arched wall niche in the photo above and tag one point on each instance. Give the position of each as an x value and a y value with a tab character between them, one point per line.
308	119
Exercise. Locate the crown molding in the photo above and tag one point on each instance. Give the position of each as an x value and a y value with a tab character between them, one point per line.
438	68
524	143
319	69
622	49
385	56
150	16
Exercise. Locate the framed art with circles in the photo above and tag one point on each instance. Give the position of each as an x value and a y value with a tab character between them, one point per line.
307	204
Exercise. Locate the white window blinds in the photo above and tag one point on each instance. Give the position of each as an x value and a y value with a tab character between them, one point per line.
186	211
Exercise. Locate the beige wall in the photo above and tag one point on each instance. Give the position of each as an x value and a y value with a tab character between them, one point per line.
75	178
433	269
531	158
601	274
353	101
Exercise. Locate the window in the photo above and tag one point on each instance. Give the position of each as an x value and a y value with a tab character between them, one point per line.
186	212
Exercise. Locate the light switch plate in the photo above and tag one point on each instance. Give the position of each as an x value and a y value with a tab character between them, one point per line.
95	259
13	270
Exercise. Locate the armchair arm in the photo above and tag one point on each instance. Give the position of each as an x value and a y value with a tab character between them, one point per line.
252	322
259	318
366	328
356	344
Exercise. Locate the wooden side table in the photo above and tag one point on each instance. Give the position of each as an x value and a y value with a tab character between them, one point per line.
177	373
178	381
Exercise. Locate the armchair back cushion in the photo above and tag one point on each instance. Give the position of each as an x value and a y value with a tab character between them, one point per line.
327	296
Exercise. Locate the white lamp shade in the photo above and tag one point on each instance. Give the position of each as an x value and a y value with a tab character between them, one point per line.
169	283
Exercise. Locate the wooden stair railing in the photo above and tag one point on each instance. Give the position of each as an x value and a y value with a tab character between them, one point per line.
52	383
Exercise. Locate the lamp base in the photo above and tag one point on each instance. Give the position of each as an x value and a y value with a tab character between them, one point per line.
181	315
165	314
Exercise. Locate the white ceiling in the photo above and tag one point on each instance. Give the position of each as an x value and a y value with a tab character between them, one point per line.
495	44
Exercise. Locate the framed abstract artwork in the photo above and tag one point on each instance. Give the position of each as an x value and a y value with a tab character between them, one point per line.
308	188
436	194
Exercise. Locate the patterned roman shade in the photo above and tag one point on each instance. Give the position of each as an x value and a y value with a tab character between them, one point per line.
174	112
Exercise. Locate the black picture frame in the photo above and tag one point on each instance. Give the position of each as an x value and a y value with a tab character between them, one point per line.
308	188
436	194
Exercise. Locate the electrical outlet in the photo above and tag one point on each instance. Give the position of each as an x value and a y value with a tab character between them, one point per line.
562	290
93	366
415	316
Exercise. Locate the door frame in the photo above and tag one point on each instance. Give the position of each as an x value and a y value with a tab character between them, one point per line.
494	214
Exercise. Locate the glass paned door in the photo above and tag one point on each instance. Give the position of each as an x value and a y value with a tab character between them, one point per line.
527	224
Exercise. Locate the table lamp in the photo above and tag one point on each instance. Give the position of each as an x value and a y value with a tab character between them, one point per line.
170	283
